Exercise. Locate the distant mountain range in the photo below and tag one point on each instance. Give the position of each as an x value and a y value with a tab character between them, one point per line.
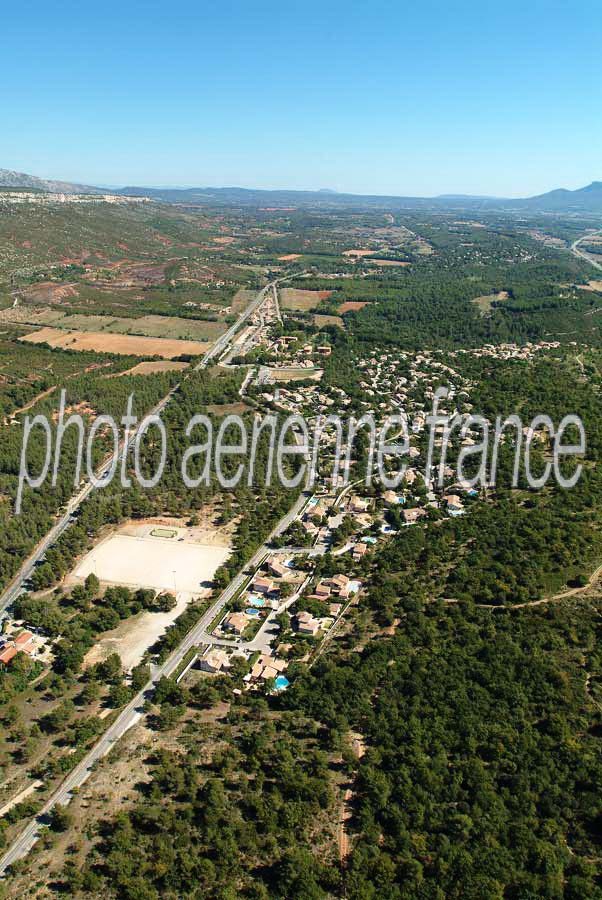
9	179
583	200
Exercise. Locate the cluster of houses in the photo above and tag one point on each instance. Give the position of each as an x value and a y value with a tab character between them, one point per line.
296	352
264	594
334	591
17	639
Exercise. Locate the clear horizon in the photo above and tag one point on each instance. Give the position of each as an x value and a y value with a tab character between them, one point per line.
407	102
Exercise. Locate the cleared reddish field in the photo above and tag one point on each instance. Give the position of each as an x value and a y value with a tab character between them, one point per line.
352	305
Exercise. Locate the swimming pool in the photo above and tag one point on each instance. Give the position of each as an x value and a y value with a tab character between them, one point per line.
281	683
252	612
256	601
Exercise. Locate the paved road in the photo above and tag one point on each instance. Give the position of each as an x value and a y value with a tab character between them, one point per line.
575	249
134	710
17	586
222	343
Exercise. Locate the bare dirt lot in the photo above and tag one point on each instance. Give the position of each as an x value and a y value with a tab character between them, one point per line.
595	286
105	342
151	368
289	257
49	292
134	636
164	564
182	563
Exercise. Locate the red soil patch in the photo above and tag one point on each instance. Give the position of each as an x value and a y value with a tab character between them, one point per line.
352	305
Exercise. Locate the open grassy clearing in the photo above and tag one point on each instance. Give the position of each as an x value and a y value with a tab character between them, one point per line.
486	302
241	299
295	298
321	320
375	261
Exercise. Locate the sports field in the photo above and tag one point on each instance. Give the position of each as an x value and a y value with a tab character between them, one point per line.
153	562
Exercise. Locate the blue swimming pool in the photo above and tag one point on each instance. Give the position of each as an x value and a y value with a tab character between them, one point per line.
281	683
252	612
256	601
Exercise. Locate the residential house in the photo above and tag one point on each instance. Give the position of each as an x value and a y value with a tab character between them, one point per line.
269	672
215	661
340	585
453	503
306	624
276	568
263	585
235	622
411	516
7	653
24	641
359	551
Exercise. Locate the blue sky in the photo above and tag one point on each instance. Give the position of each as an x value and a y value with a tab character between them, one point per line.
381	97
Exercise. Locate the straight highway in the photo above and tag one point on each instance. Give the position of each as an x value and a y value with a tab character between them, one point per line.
135	708
18	584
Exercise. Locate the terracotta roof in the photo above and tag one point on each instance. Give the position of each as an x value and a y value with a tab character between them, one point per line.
24	638
8	654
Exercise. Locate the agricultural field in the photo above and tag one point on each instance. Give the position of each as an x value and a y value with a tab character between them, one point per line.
322	320
298	299
147	326
121	344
